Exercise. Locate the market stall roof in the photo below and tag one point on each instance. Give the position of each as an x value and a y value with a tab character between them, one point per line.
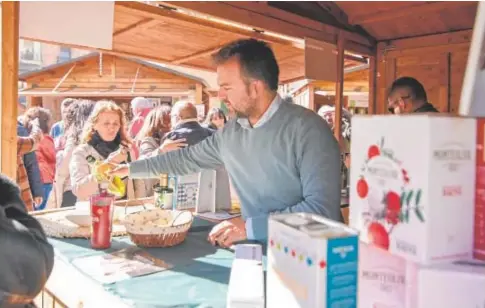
387	20
356	79
98	74
157	32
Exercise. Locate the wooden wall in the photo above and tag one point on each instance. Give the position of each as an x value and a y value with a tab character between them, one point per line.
437	61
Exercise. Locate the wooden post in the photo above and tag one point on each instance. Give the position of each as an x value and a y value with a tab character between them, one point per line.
9	87
339	87
198	93
311	97
372	85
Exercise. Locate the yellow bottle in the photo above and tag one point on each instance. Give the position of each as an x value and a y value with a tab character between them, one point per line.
99	169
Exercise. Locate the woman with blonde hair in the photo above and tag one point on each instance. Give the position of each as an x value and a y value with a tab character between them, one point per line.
76	116
105	139
150	140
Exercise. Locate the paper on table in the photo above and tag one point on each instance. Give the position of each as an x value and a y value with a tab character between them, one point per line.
218	215
120	265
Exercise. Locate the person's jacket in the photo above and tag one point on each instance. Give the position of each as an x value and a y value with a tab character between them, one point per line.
427	107
29	161
26	145
26	258
192	131
46	157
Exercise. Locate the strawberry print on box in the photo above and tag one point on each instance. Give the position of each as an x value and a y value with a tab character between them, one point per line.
412	185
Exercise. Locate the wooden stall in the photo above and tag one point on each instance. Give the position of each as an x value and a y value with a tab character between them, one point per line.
425	40
314	94
103	76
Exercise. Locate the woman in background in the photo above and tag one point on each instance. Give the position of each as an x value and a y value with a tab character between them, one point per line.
76	117
46	152
216	119
105	139
150	139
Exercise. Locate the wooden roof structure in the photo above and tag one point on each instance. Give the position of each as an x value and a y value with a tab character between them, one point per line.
356	79
387	20
164	33
98	74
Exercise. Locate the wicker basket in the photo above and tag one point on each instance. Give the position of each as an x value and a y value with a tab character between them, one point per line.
144	233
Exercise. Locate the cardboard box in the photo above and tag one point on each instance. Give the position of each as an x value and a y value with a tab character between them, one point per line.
479	232
451	286
385	280
412	185
312	262
389	281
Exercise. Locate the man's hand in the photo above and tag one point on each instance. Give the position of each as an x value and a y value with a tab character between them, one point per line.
171	145
38	201
121	171
118	156
228	232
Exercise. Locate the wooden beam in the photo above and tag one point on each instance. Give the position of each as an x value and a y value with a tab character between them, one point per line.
9	87
265	18
198	93
372	85
400	12
64	78
339	88
197	55
164	15
311	96
444	83
334	10
140	25
117	52
136	78
104	93
434	40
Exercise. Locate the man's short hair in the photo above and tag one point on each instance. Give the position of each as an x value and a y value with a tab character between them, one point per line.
184	110
415	87
141	103
256	58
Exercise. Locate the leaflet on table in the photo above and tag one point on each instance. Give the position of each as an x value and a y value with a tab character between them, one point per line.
120	265
223	215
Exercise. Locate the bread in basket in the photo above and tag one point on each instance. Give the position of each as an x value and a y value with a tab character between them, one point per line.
158	227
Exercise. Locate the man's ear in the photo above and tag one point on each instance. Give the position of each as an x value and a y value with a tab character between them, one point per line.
256	89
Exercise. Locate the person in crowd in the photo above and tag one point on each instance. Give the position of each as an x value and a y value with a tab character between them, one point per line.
328	114
149	139
407	95
27	145
104	138
150	136
77	115
216	119
281	157
45	153
28	173
185	124
26	256
57	130
140	107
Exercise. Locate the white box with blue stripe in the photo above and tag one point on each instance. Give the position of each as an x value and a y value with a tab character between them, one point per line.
312	262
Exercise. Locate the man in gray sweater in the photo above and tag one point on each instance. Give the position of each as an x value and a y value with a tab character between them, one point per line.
280	157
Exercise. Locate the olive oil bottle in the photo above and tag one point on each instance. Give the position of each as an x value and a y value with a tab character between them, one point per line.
163	193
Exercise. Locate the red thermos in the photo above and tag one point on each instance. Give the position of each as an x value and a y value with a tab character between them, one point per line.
102	206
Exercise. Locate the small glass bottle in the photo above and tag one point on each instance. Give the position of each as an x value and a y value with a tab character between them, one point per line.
163	193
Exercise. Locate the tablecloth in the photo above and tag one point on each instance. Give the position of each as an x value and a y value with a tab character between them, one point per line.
199	277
